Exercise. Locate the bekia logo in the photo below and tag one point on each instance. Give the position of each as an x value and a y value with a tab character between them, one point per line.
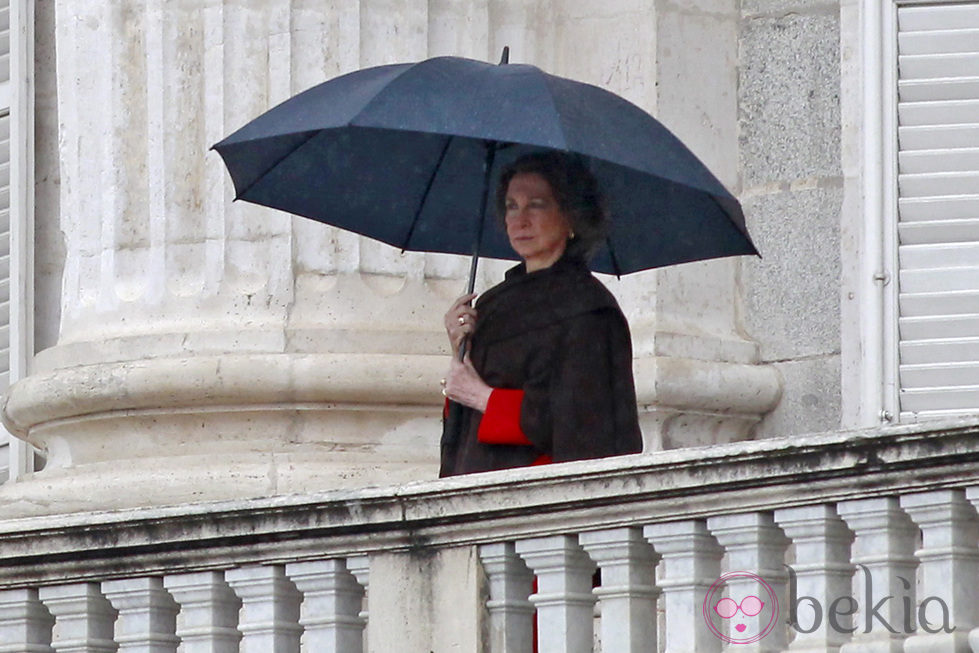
741	608
737	615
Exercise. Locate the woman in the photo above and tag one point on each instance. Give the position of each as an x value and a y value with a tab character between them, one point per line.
548	377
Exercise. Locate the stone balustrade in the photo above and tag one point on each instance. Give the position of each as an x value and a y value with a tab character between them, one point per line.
861	541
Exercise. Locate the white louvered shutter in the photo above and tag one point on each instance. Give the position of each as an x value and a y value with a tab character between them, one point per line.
4	224
938	209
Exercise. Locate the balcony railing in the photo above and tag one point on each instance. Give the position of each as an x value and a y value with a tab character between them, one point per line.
865	541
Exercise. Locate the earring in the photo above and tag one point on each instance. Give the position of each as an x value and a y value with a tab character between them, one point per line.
571	235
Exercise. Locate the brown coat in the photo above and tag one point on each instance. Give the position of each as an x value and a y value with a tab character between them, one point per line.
559	335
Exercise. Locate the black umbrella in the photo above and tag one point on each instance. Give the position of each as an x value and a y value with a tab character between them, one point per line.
406	154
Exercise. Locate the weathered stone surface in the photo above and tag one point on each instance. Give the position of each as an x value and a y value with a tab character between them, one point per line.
810	397
791	294
789	91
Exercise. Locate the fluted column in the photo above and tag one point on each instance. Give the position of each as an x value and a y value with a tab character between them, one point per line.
511	613
215	349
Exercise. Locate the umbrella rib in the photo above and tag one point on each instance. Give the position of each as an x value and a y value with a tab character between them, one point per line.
428	188
273	166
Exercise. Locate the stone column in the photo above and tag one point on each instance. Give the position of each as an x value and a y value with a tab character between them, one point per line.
212	350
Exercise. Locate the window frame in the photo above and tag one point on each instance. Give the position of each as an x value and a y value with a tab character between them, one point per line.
871	358
21	211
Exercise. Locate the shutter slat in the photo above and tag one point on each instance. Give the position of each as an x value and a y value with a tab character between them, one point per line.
938	41
944	278
929	137
927	66
939	303
927	161
939	376
939	184
938	17
938	256
938	231
949	350
964	207
944	112
923	90
939	326
941	399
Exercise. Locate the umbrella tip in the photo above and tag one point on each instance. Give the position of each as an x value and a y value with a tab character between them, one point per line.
505	57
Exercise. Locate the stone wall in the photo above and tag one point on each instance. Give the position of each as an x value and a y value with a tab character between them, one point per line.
789	115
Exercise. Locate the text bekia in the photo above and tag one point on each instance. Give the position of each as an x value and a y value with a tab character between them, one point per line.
841	608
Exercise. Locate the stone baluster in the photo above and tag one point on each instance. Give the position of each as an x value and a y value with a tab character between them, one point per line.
819	579
147	620
511	614
972	494
83	618
360	567
627	595
948	604
208	617
269	617
564	600
755	549
691	564
25	625
883	553
330	611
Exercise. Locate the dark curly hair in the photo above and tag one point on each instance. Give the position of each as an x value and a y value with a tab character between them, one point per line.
576	191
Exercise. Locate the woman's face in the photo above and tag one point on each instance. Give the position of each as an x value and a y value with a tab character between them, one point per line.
535	224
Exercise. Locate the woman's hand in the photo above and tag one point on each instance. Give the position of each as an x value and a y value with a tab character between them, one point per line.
463	385
460	321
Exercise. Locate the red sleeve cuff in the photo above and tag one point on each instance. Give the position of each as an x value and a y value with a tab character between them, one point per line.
501	421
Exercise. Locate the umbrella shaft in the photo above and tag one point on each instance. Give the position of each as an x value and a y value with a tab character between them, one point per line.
487	171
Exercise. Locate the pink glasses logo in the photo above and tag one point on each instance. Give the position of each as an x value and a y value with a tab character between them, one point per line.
745	619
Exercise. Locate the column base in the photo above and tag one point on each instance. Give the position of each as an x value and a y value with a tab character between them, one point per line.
166	431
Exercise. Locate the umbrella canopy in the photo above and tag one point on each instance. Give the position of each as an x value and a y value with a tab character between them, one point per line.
405	154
